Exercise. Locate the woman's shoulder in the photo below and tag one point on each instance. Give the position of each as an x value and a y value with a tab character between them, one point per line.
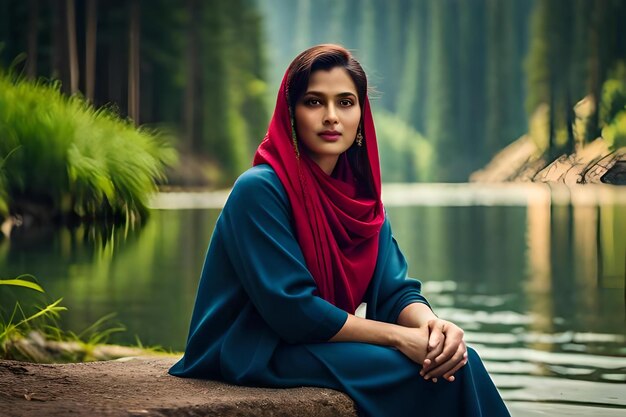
257	175
258	183
259	178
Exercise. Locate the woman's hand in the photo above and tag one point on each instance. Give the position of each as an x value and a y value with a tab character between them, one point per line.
447	352
413	342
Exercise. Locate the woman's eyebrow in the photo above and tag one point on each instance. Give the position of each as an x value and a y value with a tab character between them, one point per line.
319	93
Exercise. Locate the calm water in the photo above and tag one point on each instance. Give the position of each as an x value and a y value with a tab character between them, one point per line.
535	275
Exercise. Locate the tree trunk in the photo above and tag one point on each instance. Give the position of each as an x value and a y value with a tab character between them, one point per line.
133	62
58	44
90	48
33	31
70	21
189	99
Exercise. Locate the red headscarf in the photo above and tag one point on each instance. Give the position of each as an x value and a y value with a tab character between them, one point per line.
337	228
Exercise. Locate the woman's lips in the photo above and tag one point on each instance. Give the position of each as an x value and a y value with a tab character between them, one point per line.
330	136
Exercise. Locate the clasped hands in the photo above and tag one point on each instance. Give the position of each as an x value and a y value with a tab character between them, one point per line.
438	345
446	350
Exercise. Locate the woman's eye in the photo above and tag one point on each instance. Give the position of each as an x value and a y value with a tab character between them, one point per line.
346	103
312	102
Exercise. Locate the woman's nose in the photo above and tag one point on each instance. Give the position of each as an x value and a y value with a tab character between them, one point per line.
330	115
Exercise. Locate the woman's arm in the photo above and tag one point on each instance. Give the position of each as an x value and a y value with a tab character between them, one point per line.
411	341
416	315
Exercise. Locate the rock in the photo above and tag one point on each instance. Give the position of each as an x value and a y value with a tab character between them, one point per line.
593	163
140	386
587	165
610	170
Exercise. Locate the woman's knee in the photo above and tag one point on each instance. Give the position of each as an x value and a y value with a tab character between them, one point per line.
472	355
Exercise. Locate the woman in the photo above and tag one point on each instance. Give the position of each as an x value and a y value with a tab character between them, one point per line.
302	241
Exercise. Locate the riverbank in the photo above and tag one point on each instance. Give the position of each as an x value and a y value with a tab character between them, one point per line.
522	161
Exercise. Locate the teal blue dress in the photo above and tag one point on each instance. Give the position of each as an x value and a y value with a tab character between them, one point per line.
258	322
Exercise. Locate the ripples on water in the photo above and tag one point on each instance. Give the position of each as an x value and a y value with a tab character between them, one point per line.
502	336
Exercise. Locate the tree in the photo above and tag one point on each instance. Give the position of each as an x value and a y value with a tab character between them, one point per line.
134	32
441	126
70	24
33	31
472	98
91	25
191	118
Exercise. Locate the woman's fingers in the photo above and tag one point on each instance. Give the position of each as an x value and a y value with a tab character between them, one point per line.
454	338
449	376
436	334
446	349
447	368
435	345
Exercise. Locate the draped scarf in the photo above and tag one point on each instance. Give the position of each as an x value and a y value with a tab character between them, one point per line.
336	226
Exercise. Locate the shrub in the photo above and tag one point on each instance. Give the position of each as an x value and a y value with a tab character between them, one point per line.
613	99
72	157
615	132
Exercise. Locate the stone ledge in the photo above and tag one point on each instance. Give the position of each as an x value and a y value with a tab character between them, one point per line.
140	386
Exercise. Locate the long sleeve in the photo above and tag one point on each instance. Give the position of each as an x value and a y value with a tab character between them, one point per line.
268	261
391	290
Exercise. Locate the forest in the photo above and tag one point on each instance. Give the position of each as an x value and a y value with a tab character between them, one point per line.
452	81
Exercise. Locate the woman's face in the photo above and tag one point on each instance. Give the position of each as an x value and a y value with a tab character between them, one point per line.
327	116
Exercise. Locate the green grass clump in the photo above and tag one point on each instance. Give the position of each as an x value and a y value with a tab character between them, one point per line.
63	153
29	330
18	322
32	333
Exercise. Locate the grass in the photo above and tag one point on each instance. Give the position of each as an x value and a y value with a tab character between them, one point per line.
74	159
16	324
31	333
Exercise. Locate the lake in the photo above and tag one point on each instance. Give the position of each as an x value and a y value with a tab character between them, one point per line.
534	274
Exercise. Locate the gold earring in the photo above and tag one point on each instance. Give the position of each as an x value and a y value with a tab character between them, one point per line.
294	139
359	139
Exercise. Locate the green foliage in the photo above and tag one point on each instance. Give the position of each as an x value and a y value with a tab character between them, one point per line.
572	47
537	61
613	100
26	319
233	108
75	158
98	332
21	282
4	205
614	133
18	322
613	107
405	156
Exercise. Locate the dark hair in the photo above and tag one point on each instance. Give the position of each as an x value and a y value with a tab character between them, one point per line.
323	57
326	57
